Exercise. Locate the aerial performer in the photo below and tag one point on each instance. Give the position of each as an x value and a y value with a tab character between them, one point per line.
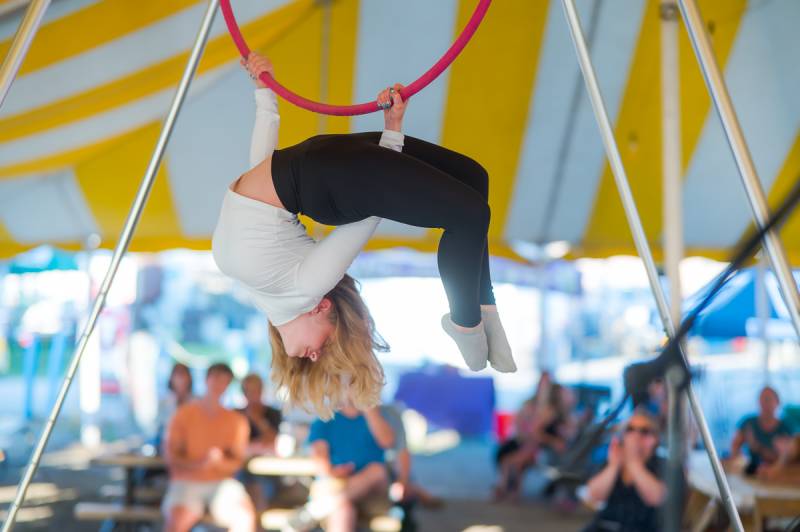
323	337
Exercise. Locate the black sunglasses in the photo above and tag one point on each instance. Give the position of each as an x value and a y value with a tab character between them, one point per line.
643	431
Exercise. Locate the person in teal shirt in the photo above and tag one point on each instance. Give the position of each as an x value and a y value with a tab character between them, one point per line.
761	432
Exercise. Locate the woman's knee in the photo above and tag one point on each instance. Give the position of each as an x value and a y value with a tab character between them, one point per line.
470	216
479	178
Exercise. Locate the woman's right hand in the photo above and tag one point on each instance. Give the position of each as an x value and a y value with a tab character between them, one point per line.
256	64
393	115
615	452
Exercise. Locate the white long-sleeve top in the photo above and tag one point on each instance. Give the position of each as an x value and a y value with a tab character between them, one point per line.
267	248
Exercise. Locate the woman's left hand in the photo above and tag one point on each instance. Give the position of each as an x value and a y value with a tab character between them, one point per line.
393	116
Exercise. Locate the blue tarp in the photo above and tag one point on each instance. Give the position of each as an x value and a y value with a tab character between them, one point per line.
727	314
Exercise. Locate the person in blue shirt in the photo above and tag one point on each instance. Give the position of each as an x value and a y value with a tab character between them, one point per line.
760	433
348	451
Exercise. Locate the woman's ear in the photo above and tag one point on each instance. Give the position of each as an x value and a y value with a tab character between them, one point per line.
324	306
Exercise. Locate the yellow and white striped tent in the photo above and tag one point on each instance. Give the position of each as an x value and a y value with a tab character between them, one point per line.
80	123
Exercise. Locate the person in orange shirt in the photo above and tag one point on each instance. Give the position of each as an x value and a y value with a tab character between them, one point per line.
204	448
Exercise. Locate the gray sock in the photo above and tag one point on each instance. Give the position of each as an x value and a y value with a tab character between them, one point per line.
473	345
499	350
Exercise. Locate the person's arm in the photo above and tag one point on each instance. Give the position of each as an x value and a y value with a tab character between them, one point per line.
320	455
381	430
265	128
599	486
233	459
175	447
403	467
542	437
327	263
649	487
736	444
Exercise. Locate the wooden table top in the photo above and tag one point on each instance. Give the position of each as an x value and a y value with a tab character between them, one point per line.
282	467
130	460
744	489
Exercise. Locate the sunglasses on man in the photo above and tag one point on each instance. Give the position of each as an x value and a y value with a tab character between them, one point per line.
642	431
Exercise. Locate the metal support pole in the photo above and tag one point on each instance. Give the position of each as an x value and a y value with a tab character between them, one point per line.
640	240
672	216
671	155
119	252
20	44
741	153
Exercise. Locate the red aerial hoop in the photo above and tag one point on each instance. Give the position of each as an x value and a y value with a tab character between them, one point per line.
362	108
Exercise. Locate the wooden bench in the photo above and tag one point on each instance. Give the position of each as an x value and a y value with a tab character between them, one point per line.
117	512
145	494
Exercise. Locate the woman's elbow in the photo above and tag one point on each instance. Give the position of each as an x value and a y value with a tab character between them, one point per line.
387	442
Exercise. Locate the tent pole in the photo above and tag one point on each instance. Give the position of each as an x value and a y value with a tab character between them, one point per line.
20	45
741	153
640	240
671	155
119	251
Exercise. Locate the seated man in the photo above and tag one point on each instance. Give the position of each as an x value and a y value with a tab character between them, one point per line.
204	448
760	433
630	485
349	453
265	422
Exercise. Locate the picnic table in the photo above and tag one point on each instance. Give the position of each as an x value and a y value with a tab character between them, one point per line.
746	491
131	462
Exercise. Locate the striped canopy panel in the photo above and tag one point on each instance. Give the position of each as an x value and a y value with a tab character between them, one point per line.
80	123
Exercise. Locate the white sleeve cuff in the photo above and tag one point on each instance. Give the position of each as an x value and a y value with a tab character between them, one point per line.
266	100
392	139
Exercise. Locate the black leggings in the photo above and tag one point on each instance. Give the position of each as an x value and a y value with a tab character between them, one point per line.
339	179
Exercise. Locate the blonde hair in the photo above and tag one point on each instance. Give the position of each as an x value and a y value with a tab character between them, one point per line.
348	370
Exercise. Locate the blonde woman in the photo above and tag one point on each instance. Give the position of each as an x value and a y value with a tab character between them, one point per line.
322	334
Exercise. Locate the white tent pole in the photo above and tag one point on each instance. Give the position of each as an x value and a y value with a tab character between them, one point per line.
741	153
762	310
671	155
640	240
20	45
119	251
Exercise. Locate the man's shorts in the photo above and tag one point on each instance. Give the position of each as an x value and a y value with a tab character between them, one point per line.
222	499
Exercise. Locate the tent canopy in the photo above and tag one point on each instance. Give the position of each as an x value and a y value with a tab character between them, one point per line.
80	122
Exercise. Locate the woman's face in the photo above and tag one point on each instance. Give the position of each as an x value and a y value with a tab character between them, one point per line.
180	382
642	434
306	335
768	401
252	390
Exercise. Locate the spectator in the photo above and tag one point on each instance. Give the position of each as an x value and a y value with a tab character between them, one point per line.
205	446
349	453
552	428
180	392
524	425
630	485
403	489
760	433
265	422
